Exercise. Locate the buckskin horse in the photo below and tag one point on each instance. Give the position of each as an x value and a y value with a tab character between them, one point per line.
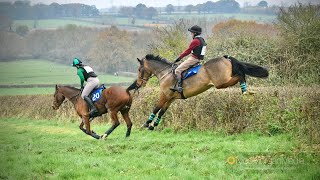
220	72
113	99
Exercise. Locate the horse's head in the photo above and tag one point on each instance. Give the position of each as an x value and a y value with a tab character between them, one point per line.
144	73
58	98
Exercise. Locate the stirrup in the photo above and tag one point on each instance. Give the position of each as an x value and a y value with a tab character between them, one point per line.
173	89
179	89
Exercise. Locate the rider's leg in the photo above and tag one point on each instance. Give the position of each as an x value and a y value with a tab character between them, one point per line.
93	109
182	67
90	85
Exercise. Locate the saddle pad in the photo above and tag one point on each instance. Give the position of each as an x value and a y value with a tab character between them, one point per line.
95	94
192	71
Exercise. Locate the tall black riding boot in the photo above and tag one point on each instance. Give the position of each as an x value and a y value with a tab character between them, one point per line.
93	110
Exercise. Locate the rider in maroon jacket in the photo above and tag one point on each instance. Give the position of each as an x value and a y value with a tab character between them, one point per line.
198	49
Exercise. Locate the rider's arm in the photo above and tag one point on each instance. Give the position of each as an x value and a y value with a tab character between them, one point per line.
81	76
194	43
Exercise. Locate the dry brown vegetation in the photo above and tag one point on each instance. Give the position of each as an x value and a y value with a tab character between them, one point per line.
272	111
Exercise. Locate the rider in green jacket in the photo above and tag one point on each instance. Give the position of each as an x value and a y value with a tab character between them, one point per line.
87	74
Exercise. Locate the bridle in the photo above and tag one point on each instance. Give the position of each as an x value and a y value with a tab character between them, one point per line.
56	104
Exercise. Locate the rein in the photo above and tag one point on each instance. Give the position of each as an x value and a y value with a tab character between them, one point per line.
172	65
75	96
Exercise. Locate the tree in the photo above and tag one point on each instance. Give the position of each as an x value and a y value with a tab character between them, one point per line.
227	6
169	8
150	12
139	10
209	6
199	8
263	4
189	8
126	11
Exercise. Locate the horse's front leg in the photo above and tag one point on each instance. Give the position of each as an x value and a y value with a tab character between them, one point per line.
163	100
85	120
81	127
162	111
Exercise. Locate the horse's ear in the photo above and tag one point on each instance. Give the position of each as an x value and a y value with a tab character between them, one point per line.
56	87
140	61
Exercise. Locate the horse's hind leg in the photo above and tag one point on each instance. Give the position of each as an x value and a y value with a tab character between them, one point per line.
115	124
232	81
125	115
163	100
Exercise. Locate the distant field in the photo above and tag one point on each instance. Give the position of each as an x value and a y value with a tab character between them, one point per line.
53	23
253	17
43	72
26	91
114	20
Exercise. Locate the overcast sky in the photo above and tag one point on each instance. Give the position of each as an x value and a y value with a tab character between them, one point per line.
156	3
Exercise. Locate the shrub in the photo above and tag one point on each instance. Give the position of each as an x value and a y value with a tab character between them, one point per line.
247	41
272	111
299	27
22	30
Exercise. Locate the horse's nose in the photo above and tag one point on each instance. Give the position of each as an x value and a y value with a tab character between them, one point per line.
54	108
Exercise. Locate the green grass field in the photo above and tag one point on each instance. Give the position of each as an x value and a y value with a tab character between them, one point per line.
22	72
43	72
53	23
42	149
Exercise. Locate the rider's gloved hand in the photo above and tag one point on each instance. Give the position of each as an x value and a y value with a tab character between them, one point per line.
177	60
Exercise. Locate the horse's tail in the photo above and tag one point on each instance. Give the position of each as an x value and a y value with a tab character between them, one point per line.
132	86
242	68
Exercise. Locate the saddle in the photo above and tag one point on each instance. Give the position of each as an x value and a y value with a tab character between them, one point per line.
191	71
95	94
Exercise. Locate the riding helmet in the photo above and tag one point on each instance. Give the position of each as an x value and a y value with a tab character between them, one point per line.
195	29
76	61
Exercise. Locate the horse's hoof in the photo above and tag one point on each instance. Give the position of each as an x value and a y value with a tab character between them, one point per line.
249	93
145	125
104	137
151	128
96	136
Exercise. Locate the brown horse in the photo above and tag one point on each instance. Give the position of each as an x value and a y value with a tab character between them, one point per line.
220	72
113	99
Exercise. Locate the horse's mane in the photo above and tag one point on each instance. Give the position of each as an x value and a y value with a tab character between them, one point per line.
70	87
157	58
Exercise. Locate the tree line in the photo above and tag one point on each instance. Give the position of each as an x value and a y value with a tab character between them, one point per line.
221	6
24	10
